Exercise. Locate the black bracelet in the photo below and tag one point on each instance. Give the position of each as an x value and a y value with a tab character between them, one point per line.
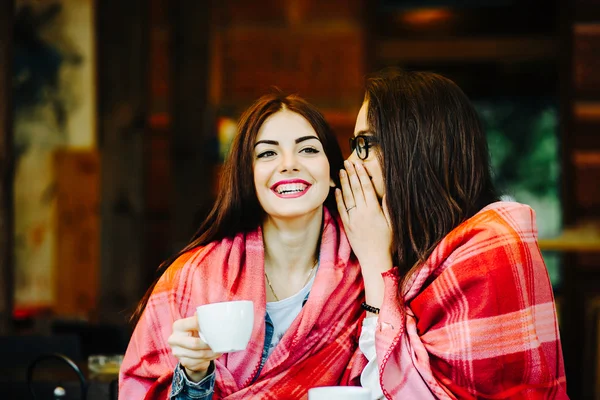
369	308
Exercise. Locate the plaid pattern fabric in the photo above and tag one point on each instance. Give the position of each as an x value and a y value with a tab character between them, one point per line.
480	320
315	351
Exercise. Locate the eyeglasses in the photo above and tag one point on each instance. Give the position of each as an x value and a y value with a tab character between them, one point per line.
361	144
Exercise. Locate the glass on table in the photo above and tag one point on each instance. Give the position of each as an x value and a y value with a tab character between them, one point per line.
100	364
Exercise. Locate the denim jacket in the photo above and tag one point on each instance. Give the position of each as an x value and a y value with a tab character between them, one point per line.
183	389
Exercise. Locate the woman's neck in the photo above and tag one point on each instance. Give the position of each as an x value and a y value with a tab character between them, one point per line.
291	244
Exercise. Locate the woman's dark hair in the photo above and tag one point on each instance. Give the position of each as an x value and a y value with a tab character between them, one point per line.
434	157
237	208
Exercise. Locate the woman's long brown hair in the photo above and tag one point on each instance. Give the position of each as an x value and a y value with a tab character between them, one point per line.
434	157
236	208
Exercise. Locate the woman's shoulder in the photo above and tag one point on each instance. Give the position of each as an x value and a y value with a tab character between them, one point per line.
499	228
512	212
189	263
509	221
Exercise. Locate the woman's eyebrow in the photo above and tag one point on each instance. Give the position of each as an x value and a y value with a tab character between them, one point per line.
276	143
272	142
364	132
303	138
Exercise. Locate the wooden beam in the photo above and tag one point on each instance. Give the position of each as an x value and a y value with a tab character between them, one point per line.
122	37
512	49
77	225
6	168
192	153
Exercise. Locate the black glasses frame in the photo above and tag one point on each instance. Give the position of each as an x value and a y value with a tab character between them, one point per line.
361	144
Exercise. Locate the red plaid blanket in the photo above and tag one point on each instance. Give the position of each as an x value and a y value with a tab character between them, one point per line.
315	351
480	321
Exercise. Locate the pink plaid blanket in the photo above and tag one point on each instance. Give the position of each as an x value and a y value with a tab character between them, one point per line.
315	351
480	321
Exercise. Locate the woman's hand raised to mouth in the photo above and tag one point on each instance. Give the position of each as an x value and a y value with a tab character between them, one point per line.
366	222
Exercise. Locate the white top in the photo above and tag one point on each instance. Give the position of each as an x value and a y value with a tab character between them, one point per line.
369	378
284	312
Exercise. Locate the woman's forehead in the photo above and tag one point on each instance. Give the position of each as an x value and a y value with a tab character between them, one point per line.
284	124
362	124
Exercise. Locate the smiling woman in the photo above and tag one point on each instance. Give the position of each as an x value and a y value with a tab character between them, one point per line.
273	225
291	171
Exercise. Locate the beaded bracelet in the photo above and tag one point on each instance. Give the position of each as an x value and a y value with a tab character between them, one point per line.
369	308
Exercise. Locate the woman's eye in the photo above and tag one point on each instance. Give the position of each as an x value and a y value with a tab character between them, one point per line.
268	153
310	150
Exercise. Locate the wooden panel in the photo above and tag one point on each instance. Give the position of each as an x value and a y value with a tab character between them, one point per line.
587	10
587	60
320	65
587	135
158	177
336	10
276	12
581	174
193	132
6	169
123	83
516	49
235	12
77	231
587	182
159	74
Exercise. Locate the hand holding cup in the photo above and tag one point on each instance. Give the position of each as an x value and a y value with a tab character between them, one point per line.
193	353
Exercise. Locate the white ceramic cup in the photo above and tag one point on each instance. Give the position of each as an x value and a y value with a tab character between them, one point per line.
226	326
339	393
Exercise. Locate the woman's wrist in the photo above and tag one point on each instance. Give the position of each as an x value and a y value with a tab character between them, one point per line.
372	271
196	376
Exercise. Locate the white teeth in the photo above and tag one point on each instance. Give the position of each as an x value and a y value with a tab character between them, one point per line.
289	188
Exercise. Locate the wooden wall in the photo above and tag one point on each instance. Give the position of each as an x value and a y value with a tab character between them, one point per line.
157	242
122	112
314	48
192	116
580	113
77	224
6	168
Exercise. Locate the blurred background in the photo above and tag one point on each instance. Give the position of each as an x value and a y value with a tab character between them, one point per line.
115	117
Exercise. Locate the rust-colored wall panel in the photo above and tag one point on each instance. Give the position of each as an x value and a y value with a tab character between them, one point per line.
587	135
158	176
277	12
78	225
587	10
587	182
587	59
159	73
160	56
235	12
332	10
322	66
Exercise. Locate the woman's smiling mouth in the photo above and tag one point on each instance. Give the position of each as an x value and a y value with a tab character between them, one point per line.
290	188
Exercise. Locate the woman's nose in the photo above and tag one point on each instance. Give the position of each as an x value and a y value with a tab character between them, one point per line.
289	162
